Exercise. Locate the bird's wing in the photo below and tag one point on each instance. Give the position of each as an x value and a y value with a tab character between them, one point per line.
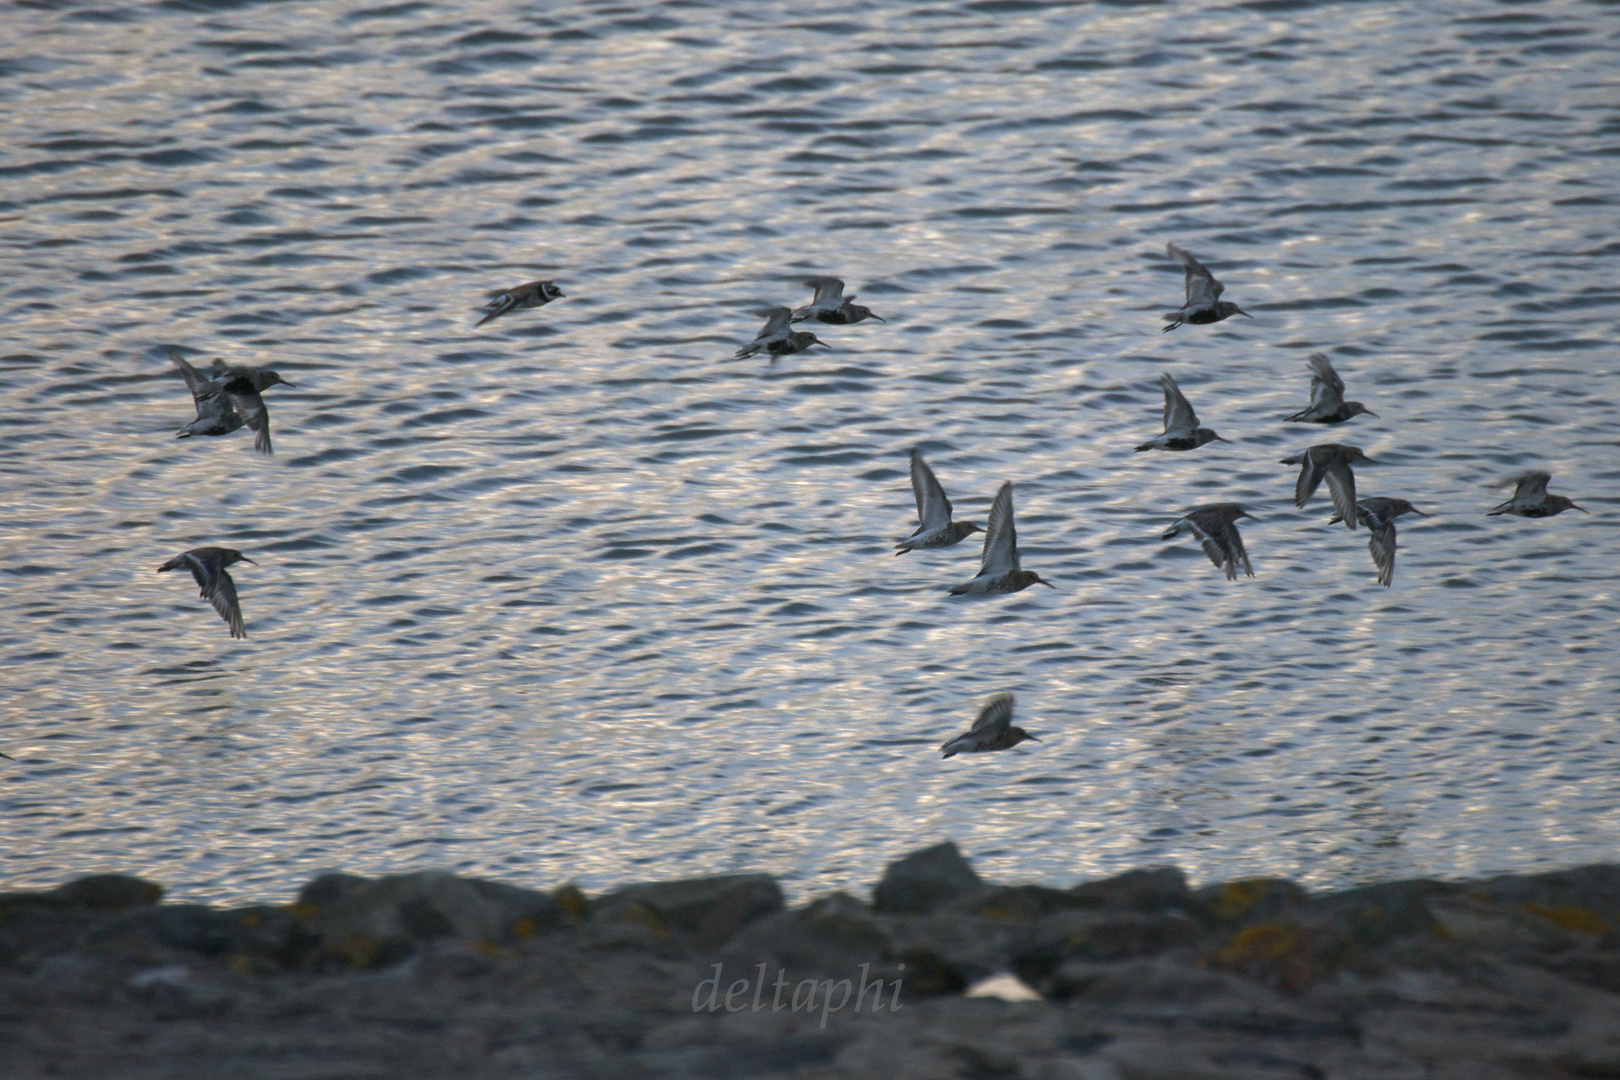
202	571
1382	545
1342	486
1000	538
994	717
251	408
1326	387
501	304
1202	288
1178	413
776	322
1532	486
200	385
829	291
223	597
1310	475
1216	540
933	508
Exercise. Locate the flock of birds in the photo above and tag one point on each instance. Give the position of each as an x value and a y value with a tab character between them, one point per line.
228	398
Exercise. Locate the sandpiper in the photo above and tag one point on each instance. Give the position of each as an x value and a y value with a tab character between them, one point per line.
1332	460
244	385
1216	529
1327	396
993	730
1530	498
241	379
528	295
207	565
998	570
1379	514
832	306
215	413
1181	430
776	339
935	529
1203	295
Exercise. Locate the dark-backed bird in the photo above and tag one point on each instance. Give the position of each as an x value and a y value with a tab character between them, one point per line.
216	415
1204	304
1530	498
244	385
832	306
1327	396
1216	529
935	529
778	339
1181	430
528	295
207	566
1333	461
993	730
1379	514
999	571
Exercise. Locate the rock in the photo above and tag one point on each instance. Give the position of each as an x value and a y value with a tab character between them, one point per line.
378	921
835	937
1158	889
925	880
1249	899
1374	915
712	909
1097	936
107	892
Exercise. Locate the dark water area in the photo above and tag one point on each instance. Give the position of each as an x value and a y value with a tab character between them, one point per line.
578	596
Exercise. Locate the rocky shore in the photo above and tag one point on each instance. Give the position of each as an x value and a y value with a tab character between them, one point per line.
939	974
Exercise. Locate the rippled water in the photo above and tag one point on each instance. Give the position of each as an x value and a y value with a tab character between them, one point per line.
575	595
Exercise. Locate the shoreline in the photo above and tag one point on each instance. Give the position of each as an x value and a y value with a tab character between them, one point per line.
935	973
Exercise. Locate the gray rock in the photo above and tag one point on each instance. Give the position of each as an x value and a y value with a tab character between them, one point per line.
1158	889
925	880
367	923
711	909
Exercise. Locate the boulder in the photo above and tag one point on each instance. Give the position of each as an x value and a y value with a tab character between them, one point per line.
925	880
367	923
1158	889
711	909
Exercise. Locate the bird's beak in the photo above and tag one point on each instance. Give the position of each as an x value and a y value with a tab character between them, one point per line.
824	345
1245	314
1048	584
1248	515
879	318
1368	461
1582	509
1036	738
1219	439
246	559
561	294
1369	412
1418	512
284	382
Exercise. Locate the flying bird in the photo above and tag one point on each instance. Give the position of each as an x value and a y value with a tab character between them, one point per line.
215	413
993	730
1216	529
777	339
1203	295
1327	396
1379	514
832	306
999	571
935	529
1181	430
529	295
207	566
227	398
1530	498
1333	461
